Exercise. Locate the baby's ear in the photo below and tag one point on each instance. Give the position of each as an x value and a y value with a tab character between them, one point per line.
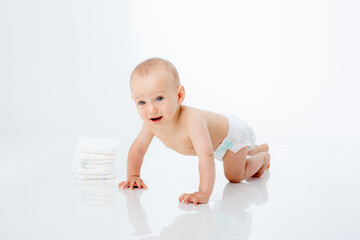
181	94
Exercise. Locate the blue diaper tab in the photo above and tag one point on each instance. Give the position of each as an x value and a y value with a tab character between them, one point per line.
222	148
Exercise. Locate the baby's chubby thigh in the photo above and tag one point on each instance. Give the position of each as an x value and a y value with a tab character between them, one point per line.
234	165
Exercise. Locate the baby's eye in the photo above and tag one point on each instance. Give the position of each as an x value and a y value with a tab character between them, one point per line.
141	103
159	99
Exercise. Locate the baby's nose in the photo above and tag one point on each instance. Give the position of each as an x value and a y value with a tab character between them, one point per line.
154	109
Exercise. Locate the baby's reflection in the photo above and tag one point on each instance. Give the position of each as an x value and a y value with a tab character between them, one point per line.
227	220
232	219
136	213
94	197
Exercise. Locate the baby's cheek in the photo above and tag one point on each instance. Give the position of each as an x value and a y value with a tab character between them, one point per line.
141	113
143	117
172	111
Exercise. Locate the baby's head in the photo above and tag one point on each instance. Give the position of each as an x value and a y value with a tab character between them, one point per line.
154	64
156	90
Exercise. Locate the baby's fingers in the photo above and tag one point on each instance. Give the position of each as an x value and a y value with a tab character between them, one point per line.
122	184
139	183
132	183
188	199
185	197
181	198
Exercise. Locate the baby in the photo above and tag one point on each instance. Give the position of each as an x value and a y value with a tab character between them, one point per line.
158	95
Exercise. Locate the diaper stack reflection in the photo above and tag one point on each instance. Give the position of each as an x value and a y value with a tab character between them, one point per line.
95	158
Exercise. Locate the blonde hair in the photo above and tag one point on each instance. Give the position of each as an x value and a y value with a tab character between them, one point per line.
145	67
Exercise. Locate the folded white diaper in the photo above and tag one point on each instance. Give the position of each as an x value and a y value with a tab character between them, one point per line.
93	166
95	158
101	142
97	171
93	161
94	177
90	156
92	148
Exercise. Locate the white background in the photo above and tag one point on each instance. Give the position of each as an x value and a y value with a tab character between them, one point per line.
289	68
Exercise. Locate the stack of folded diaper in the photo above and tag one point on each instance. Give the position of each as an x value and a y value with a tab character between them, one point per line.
95	158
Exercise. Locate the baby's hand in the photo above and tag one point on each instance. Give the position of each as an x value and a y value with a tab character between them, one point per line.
132	182
196	197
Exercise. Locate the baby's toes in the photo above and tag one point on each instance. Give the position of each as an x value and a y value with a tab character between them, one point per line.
265	147
256	175
260	172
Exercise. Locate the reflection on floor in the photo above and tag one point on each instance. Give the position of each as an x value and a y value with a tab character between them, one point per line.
227	219
309	193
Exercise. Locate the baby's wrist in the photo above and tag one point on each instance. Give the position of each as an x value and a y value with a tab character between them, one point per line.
205	193
133	176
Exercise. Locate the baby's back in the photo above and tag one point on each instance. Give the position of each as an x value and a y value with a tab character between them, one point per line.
178	138
218	126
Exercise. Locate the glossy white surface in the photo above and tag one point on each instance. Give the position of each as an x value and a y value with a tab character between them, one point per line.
309	193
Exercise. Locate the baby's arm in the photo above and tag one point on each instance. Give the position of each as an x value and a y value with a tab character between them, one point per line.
135	159
200	137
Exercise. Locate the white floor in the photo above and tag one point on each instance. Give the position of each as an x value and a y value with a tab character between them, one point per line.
309	193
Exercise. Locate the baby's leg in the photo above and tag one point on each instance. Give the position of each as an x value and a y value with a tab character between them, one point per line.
238	167
258	148
263	156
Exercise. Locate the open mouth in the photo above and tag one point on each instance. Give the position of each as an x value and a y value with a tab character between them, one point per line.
156	119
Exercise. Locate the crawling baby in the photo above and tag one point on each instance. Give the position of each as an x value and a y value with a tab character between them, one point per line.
158	95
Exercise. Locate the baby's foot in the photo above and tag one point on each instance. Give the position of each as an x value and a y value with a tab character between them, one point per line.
265	166
265	147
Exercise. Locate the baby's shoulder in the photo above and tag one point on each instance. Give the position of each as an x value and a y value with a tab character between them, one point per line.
191	116
190	113
210	119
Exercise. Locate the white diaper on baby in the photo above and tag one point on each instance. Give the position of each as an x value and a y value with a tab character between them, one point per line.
95	158
240	134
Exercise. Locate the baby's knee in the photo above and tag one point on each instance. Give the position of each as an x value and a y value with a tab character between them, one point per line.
234	178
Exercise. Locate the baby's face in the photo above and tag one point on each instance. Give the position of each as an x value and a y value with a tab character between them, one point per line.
156	97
